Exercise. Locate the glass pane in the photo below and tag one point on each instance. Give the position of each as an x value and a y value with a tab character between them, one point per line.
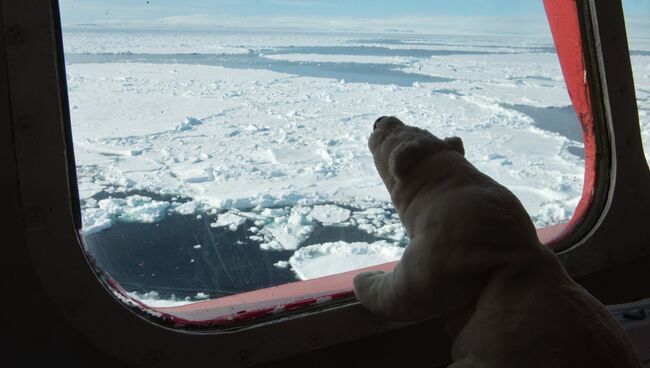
221	147
637	21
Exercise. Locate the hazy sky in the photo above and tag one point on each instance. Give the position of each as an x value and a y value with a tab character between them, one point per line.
96	9
101	11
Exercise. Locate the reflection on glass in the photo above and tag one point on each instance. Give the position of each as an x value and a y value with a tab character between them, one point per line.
221	154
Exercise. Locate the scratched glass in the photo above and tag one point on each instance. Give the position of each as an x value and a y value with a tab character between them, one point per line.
217	155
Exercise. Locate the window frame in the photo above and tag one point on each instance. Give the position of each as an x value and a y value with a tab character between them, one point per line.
48	202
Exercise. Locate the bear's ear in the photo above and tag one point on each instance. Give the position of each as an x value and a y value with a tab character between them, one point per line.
406	155
456	143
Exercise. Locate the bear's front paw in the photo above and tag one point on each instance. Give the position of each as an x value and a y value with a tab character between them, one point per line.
362	282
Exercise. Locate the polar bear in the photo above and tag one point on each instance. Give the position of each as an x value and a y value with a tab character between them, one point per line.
474	259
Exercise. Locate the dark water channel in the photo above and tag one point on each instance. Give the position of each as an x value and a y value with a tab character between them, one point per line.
561	120
372	73
163	256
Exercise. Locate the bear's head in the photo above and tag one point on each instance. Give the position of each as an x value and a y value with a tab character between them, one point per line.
397	148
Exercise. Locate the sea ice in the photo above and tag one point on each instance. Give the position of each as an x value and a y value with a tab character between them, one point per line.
330	214
188	208
229	220
288	152
288	232
188	124
331	258
153	299
135	208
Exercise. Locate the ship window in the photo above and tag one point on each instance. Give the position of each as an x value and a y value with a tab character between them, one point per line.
222	149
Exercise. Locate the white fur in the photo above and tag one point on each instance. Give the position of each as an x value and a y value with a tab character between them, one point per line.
474	259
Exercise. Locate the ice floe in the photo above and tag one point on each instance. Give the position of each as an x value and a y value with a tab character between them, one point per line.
135	208
330	214
336	257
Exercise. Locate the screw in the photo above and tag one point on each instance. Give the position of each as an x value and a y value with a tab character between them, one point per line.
315	339
622	87
15	36
154	357
246	357
71	311
33	219
25	126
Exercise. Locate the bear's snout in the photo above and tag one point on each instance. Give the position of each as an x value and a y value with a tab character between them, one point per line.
377	121
384	121
383	128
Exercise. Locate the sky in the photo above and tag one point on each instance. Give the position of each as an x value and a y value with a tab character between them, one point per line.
215	12
96	9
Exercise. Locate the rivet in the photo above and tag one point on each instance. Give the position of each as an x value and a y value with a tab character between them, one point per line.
25	127
71	311
316	339
153	357
246	357
34	219
622	88
15	36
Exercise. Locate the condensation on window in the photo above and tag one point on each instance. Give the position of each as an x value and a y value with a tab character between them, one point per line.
223	149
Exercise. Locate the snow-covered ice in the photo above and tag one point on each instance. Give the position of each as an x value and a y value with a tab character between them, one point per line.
332	258
229	220
98	215
153	299
329	214
265	134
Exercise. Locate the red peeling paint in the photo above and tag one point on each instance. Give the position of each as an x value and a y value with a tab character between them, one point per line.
117	289
565	26
232	319
243	316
